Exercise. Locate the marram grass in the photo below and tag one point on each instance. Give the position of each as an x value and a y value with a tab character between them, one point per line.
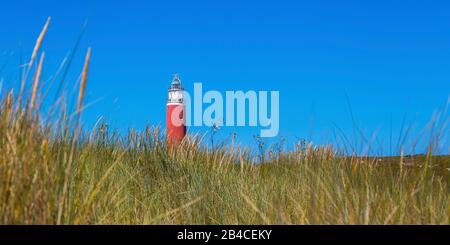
56	173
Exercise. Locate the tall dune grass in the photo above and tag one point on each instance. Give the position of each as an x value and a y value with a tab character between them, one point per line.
53	172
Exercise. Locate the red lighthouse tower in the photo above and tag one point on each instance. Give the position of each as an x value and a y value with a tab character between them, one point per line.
175	115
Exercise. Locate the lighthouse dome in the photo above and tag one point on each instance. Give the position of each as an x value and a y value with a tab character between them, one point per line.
176	83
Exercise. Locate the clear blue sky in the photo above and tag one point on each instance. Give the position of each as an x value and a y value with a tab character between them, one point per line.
392	58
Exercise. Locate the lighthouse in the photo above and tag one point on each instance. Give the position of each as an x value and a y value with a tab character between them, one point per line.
175	114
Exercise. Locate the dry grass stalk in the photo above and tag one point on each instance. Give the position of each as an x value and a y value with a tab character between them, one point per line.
8	107
36	84
84	76
39	42
67	173
36	48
